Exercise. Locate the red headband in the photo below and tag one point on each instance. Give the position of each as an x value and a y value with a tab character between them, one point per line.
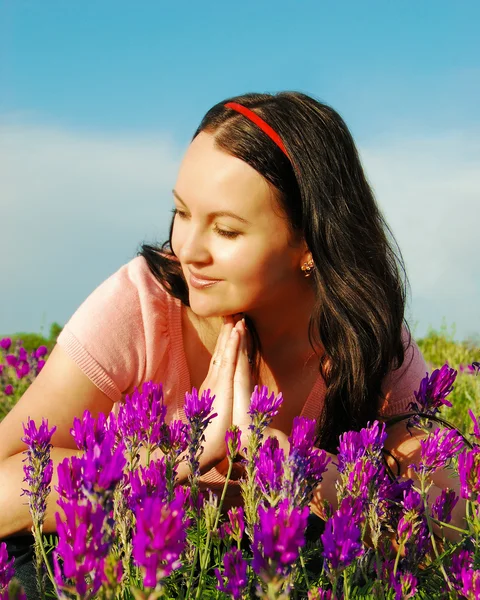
246	112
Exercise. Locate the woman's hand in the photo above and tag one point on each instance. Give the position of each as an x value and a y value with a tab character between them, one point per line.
243	385
223	382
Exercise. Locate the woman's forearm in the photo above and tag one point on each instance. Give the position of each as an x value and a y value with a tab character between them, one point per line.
14	511
326	490
457	518
15	515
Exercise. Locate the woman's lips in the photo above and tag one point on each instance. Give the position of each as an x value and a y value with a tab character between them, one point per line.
202	283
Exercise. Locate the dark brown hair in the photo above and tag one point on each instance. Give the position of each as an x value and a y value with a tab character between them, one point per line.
360	280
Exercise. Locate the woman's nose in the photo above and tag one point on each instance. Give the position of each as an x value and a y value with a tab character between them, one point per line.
194	248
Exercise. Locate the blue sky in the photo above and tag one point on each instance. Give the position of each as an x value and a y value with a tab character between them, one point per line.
98	101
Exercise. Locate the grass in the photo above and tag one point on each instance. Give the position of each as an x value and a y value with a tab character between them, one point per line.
439	348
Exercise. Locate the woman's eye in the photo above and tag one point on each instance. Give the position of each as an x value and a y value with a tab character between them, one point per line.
222	232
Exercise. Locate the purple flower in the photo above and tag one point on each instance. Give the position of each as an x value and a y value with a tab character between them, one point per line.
159	538
39	468
368	441
433	390
12	360
89	430
197	410
341	540
103	466
9	390
41	351
83	546
269	467
443	506
404	585
412	528
470	583
22	369
319	594
390	495
262	409
305	464
476	427
469	473
95	474
194	502
40	365
141	417
175	438
235	526
5	343
235	572
70	478
302	438
476	366
461	563
147	482
233	441
439	448
7	570
412	516
277	539
362	476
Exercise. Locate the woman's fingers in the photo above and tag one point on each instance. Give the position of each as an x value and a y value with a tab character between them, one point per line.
242	382
222	342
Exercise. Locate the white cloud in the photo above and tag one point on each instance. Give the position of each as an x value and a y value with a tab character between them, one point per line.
429	192
75	205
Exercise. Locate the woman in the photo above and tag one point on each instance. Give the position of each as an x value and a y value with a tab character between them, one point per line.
273	208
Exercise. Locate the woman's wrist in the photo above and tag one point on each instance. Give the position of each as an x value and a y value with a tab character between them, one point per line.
326	491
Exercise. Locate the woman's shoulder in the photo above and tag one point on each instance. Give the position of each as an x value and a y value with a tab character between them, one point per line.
399	385
121	328
137	274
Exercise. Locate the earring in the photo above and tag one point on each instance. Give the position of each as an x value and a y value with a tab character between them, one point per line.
308	267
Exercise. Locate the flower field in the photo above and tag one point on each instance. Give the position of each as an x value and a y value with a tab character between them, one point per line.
127	529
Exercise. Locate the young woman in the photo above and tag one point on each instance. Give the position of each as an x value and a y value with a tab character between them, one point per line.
274	212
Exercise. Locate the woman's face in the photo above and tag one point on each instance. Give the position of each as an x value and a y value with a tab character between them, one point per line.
256	267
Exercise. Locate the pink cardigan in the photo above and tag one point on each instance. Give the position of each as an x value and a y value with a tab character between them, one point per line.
129	330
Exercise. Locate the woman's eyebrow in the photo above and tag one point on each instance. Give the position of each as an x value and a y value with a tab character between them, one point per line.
218	213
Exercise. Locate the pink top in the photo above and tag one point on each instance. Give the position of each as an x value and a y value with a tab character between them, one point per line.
129	330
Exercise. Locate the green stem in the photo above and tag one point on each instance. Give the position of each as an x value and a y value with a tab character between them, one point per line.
345	585
302	562
192	570
378	564
148	455
224	491
434	544
38	537
397	558
443	524
334	588
430	529
204	558
468	515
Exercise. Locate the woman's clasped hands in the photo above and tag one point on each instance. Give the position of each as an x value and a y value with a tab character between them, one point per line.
230	380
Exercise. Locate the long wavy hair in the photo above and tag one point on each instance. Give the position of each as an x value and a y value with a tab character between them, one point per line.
360	279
